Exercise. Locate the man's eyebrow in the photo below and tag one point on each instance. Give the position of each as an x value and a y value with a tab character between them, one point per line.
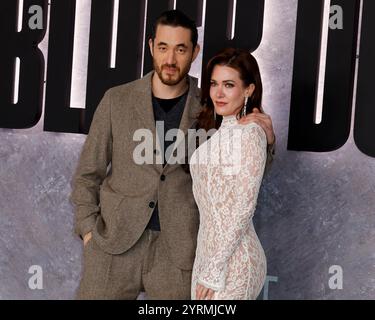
180	45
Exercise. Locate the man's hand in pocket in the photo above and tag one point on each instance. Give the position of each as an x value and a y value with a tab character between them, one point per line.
87	238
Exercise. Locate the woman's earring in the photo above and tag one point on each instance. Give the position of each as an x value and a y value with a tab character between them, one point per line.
245	106
215	115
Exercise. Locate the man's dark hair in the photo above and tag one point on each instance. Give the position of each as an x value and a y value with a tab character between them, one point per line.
176	18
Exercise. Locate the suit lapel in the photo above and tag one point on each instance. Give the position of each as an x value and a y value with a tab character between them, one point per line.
143	105
189	116
145	110
146	115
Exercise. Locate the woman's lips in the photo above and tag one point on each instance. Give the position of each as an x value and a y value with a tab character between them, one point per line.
221	104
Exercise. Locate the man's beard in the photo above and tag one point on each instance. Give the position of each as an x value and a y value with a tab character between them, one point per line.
168	79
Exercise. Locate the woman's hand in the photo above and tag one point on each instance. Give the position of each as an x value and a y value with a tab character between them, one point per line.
203	293
262	119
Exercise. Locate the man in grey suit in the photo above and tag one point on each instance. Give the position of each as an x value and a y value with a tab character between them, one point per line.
139	222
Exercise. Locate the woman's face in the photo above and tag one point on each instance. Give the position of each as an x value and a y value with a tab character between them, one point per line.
228	91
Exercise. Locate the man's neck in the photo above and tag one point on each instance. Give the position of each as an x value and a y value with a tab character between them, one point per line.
163	91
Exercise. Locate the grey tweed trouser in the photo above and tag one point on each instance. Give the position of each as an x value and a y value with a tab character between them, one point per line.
144	267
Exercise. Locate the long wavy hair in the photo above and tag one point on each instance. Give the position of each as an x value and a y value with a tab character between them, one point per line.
248	69
242	61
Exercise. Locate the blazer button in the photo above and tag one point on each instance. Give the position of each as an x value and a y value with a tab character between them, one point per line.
162	177
151	204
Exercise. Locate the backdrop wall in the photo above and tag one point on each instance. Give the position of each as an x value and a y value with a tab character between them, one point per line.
315	210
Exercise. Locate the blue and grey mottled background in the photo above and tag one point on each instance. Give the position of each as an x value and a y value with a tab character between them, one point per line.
314	210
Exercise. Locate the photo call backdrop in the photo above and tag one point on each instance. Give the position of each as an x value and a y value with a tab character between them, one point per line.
316	209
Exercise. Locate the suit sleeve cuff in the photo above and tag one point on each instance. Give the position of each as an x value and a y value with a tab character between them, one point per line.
85	226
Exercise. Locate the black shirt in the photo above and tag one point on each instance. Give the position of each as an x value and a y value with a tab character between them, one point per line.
170	112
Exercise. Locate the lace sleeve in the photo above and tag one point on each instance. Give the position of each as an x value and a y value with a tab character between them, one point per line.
233	190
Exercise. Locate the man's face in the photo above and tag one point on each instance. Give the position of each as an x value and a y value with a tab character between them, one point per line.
173	53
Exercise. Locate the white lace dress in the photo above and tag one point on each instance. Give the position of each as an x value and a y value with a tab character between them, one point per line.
227	172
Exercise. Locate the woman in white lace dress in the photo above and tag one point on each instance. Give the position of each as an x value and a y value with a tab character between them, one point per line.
227	172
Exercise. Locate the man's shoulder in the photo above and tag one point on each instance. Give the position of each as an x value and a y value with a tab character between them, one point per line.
140	86
193	82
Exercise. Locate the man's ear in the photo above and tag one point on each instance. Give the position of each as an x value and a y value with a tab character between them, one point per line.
196	51
151	45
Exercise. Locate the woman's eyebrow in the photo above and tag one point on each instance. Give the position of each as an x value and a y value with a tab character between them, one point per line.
229	81
225	81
